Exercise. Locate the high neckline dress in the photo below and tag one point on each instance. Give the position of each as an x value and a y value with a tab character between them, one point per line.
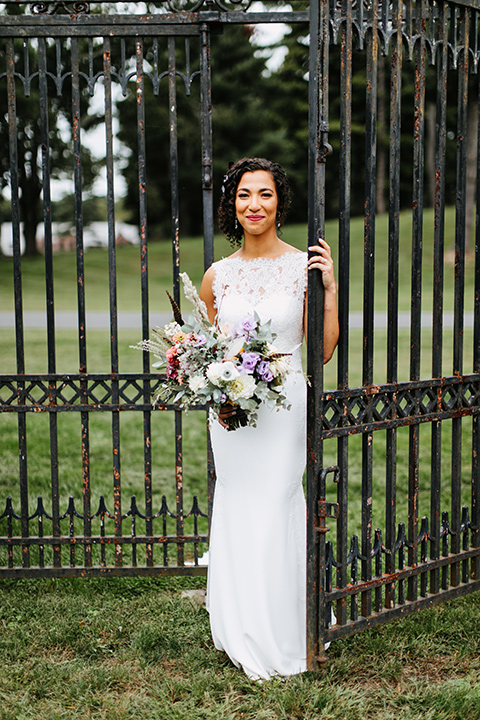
257	556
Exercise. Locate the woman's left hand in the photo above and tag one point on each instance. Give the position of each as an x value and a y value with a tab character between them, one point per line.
322	260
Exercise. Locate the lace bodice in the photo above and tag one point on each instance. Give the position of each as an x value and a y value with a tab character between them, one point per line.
273	287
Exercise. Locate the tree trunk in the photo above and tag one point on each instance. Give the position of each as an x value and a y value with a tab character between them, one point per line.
31	190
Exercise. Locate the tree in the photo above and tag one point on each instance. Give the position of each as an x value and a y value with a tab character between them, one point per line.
243	124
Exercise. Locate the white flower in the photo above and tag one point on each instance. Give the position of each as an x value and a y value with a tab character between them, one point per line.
280	366
172	329
242	387
221	372
196	383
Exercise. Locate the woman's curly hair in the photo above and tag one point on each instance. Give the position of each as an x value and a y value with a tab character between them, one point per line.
226	210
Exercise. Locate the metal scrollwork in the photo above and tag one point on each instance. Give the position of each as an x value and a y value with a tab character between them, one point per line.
46	8
194	5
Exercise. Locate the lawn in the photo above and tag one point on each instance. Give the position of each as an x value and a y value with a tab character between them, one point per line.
135	648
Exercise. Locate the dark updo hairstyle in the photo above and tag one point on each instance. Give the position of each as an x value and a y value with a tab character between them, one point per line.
226	210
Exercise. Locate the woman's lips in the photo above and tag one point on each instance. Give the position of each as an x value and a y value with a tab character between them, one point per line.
254	217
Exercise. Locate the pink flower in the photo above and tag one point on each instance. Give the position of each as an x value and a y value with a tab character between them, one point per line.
171	356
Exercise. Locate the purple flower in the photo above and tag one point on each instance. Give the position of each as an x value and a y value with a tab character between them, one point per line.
223	398
249	361
201	340
246	326
264	372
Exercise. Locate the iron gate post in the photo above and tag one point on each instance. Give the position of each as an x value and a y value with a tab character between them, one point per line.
318	150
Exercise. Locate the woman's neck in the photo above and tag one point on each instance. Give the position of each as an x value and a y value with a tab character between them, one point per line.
255	246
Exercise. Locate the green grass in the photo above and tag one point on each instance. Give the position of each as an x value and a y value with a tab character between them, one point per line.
129	648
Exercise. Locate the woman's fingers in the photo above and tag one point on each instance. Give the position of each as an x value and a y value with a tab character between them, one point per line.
226	411
322	260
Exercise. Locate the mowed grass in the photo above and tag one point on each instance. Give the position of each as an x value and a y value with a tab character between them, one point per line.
130	648
89	649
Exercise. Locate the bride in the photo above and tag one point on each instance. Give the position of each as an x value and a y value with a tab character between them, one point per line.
257	557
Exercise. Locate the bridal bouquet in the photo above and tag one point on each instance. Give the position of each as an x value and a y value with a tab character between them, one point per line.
205	365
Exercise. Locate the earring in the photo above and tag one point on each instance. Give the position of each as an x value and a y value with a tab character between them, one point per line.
236	224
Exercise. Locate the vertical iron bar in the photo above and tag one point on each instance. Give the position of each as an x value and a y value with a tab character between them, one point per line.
458	326
17	284
207	189
82	346
172	103
207	150
142	204
107	72
317	151
438	283
343	285
417	242
48	250
369	285
392	308
475	490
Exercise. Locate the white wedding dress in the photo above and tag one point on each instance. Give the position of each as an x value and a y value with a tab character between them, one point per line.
257	557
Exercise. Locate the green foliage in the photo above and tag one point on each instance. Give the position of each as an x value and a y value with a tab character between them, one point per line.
243	124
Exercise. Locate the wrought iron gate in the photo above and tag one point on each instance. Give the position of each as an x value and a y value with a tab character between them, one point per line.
407	563
403	566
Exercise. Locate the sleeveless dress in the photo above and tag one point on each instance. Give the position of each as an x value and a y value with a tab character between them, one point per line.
256	590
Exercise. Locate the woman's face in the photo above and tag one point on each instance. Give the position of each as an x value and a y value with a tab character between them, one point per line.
256	202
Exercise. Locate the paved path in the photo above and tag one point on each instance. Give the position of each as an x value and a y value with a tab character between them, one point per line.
132	320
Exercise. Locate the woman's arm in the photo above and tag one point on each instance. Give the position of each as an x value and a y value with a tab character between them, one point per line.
206	293
322	261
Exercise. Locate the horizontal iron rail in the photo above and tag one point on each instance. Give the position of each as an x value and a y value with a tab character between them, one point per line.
102	540
356	410
378	407
400	610
107	571
174	23
407	572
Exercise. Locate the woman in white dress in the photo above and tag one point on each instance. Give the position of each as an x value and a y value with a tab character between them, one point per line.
257	557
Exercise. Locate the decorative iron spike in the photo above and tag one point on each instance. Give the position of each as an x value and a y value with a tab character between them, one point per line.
40	511
164	510
354	552
9	511
195	510
401	540
330	557
177	315
465	523
424	533
445	528
134	511
378	546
